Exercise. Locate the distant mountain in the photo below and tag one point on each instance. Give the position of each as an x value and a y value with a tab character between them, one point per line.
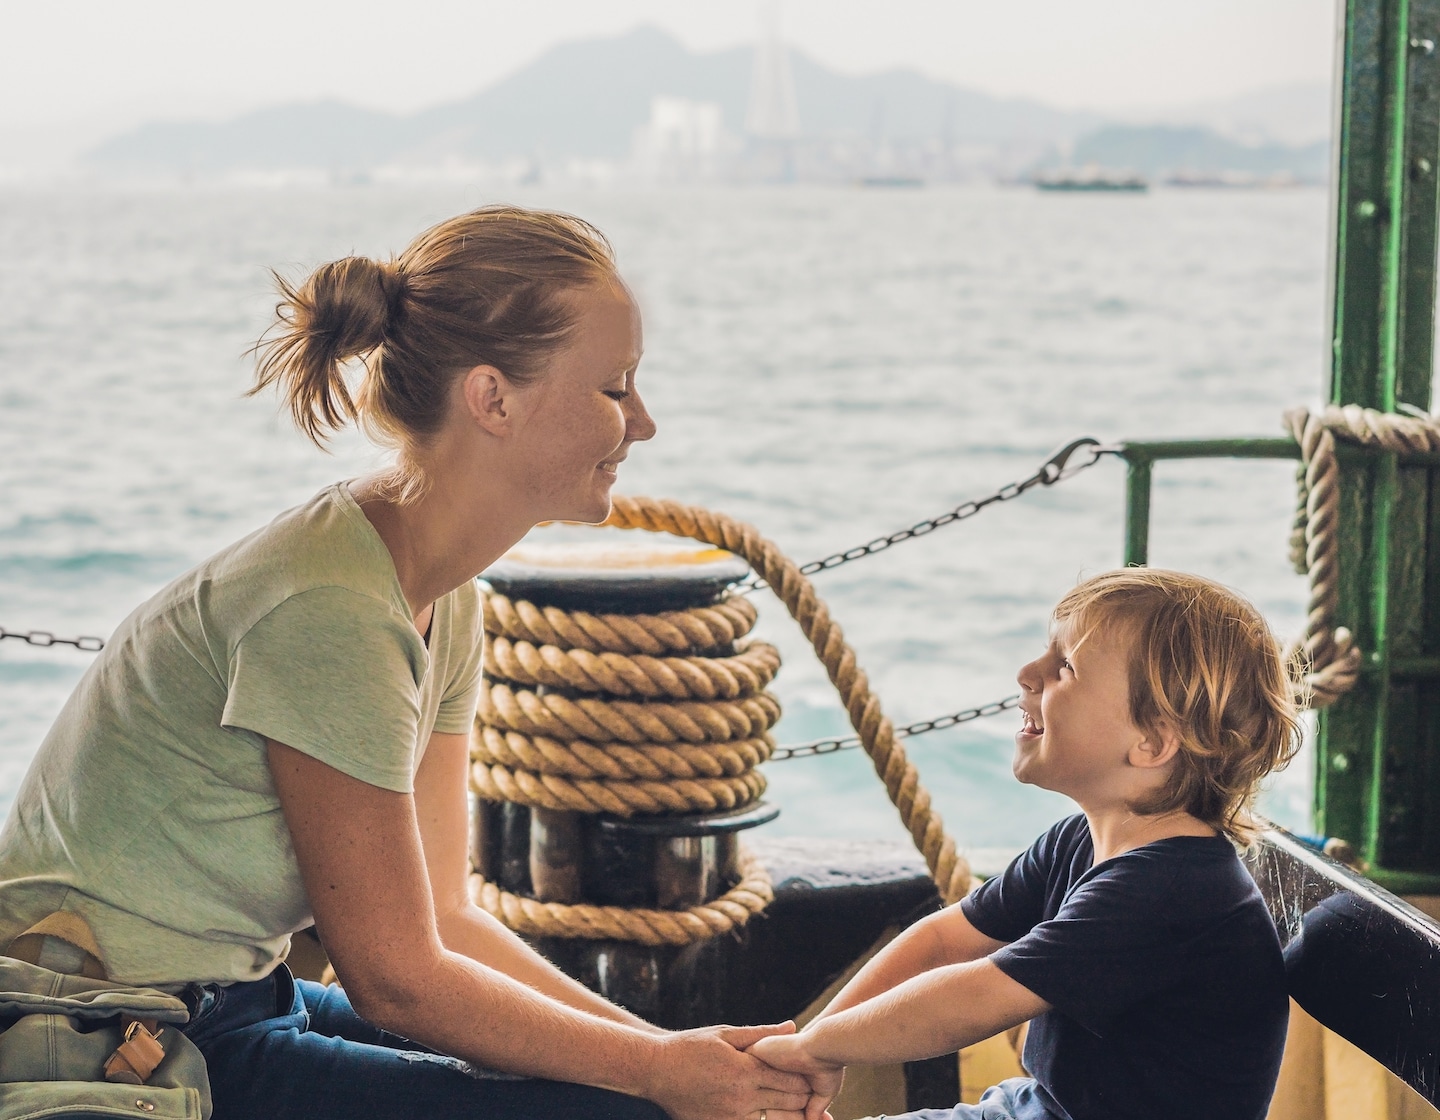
324	134
586	99
1157	149
1297	115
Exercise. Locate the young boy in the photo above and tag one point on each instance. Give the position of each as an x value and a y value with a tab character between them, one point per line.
1129	935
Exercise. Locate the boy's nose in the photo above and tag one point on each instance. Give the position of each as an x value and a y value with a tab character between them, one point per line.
1028	677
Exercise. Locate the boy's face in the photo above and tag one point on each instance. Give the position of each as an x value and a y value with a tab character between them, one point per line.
1077	733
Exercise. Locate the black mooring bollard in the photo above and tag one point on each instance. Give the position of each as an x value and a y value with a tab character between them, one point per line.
833	899
669	862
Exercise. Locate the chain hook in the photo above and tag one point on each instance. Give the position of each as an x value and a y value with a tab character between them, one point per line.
1055	467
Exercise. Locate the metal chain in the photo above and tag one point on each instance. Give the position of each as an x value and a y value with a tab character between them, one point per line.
1055	469
45	638
939	723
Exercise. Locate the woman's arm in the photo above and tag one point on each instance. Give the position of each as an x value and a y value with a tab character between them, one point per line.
358	848
464	928
946	937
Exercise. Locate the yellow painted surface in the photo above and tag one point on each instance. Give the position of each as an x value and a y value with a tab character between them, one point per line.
990	1062
595	556
1300	1095
868	1090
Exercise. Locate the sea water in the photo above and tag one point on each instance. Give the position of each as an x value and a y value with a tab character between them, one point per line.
829	364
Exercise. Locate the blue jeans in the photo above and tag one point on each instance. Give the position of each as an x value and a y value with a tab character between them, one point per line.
287	1049
1013	1099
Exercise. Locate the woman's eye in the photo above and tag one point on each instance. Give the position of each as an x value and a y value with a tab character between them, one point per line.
617	394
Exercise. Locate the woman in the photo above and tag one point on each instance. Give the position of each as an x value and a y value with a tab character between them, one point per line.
282	733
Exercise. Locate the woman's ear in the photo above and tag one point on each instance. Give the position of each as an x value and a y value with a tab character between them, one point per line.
1159	746
489	399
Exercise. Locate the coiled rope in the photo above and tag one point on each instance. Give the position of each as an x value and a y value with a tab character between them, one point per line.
645	722
1334	658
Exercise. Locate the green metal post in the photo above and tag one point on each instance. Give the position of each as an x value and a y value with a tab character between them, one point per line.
1379	747
1137	511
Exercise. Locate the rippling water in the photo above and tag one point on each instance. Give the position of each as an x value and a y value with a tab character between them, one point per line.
829	364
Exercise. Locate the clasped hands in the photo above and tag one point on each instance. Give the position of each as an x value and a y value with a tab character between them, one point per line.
787	1051
741	1073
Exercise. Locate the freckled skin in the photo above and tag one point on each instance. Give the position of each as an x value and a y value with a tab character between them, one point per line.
584	409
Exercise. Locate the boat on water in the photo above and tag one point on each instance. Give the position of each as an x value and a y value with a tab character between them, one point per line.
891	182
1092	179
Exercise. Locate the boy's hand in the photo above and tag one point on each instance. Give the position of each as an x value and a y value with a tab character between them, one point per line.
789	1052
707	1074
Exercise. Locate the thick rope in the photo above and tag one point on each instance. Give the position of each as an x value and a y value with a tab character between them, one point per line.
653	761
649	927
699	630
628	721
1334	659
624	714
631	674
623	797
902	782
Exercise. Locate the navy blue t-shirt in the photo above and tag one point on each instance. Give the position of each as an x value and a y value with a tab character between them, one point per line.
1163	969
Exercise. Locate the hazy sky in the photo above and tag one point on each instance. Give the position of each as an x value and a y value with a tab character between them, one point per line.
110	62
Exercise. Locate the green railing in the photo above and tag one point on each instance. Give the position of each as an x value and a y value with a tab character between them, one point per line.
1141	456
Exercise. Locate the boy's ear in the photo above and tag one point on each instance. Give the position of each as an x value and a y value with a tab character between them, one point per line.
1160	745
489	399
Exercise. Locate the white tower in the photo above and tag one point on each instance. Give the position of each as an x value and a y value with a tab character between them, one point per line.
772	113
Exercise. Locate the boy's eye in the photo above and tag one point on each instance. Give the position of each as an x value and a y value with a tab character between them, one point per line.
1065	664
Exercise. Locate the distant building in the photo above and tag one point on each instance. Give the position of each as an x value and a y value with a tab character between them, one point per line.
772	119
683	141
773	113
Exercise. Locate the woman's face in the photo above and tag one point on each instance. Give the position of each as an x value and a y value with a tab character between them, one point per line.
580	416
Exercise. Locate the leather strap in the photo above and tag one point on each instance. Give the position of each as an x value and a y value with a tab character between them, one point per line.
135	1059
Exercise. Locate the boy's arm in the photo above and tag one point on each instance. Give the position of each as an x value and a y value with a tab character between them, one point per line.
944	1010
940	1011
946	937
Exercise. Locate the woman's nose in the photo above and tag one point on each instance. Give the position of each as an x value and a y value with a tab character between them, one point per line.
638	423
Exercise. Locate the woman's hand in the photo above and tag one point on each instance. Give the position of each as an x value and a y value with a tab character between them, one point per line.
789	1052
706	1075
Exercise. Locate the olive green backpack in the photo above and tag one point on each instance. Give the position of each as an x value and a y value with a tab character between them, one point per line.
79	1046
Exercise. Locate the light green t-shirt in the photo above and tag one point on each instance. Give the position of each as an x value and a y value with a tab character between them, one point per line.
149	809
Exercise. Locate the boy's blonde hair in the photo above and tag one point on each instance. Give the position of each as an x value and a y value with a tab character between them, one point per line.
1204	663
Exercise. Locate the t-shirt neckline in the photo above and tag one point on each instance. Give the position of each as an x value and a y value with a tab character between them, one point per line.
1207	846
346	501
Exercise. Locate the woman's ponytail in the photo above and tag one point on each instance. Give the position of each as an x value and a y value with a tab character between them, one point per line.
484	288
341	312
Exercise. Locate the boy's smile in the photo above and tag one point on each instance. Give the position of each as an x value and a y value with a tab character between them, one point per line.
1077	731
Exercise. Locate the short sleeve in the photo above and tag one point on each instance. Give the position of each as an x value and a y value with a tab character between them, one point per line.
1108	948
456	713
1007	906
333	674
